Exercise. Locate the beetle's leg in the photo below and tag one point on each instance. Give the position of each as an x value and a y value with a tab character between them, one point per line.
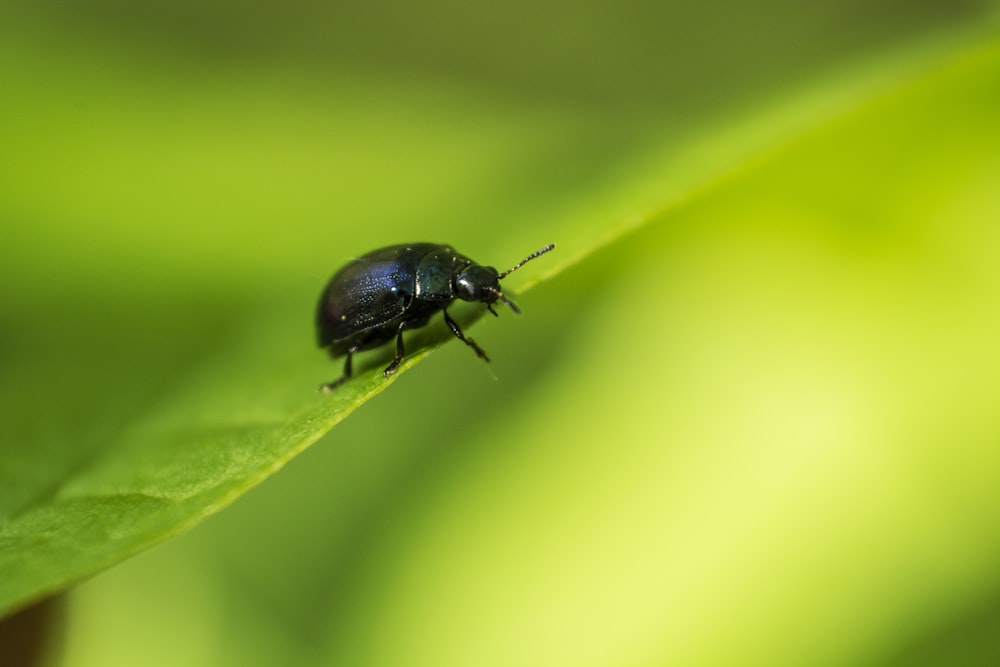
391	368
330	386
453	325
348	371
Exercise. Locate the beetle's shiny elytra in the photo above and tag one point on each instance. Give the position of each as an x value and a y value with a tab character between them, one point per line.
378	295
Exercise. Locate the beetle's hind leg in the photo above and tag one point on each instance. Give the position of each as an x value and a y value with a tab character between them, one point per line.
330	386
453	325
391	368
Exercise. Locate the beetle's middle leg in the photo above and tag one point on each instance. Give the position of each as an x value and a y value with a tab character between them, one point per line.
391	368
453	325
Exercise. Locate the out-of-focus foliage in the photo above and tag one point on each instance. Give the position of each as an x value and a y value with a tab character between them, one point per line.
750	418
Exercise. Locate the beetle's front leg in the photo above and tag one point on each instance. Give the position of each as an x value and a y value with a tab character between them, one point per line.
453	325
391	368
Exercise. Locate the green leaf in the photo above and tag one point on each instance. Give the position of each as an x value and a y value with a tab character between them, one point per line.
753	334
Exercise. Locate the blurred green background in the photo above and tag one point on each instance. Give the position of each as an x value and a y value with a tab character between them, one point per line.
749	415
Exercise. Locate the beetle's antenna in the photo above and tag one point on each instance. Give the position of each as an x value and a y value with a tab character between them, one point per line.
513	306
499	295
518	266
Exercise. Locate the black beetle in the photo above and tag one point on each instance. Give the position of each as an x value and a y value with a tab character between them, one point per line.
380	294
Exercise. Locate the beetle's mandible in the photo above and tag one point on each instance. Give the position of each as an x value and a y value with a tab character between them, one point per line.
378	295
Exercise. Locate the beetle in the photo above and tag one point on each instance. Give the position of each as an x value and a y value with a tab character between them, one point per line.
380	294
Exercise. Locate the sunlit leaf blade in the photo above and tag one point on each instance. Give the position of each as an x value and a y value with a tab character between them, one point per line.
111	452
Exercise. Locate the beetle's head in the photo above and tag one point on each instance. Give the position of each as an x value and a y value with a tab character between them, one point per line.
478	283
482	283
